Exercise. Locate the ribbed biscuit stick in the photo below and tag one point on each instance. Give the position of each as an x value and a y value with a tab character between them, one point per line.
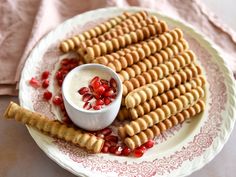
159	100
150	61
150	133
162	113
115	32
159	72
146	92
54	128
109	46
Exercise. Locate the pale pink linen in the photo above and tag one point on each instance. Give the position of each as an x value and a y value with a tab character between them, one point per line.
23	23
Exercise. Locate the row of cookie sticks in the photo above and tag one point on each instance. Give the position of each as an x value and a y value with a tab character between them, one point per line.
162	85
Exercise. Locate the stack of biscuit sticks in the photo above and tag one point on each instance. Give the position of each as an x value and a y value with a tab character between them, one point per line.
162	84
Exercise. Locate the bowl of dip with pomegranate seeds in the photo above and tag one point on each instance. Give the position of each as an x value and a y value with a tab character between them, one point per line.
92	95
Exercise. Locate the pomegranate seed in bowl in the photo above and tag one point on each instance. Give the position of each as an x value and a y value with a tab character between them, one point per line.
83	90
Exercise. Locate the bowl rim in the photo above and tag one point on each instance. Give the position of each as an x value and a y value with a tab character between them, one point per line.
97	66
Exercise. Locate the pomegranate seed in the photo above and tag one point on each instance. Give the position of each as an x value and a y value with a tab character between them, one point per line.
96	84
107	143
112	149
126	151
138	152
108	93
99	102
59	82
87	106
97	96
91	88
149	144
113	83
106	131
86	97
107	87
100	90
118	150
34	82
65	61
47	95
107	101
105	149
97	107
111	138
59	75
95	79
83	90
104	81
45	75
100	135
57	100
143	148
45	83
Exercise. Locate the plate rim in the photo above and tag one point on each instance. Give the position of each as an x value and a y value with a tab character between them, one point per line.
227	73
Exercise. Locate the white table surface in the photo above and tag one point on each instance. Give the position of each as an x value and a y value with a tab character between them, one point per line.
23	158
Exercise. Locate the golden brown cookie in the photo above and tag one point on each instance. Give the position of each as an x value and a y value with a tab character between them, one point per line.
54	128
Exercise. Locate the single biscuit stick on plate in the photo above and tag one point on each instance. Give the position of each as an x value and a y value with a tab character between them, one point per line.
165	111
54	128
154	131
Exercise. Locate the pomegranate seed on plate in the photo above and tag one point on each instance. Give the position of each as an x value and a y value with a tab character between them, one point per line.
106	131
105	149
107	101
113	83
104	81
143	148
59	75
118	150
111	138
97	107
47	95
45	75
34	82
86	97
149	144
83	90
65	61
126	151
45	83
138	152
107	143
99	102
57	100
59	82
87	105
112	149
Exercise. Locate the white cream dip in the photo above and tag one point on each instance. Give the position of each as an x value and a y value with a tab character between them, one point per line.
81	79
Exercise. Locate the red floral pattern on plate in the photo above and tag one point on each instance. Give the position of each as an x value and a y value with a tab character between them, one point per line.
160	166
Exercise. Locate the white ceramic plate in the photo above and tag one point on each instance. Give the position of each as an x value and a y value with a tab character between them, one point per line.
179	151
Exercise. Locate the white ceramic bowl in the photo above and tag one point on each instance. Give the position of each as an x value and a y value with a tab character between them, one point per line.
92	119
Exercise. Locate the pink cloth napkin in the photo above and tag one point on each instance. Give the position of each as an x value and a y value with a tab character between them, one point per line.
23	23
